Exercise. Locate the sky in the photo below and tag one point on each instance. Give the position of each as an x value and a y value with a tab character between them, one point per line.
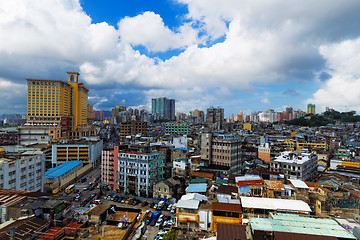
239	55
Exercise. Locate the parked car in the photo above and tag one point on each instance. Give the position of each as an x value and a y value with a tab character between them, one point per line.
76	190
159	222
128	200
144	203
153	222
152	205
169	207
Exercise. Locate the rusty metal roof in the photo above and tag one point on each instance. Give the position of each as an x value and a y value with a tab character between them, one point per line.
231	232
229	207
274	185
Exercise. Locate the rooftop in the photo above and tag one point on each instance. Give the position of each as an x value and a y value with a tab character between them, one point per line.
197	188
62	169
294	223
231	231
293	157
275	204
298	184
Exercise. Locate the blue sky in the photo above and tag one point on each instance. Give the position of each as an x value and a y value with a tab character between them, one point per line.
240	55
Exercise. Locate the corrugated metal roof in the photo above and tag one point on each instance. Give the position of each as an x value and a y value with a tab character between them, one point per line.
275	204
301	236
298	184
198	180
275	185
231	232
188	204
8	200
297	224
228	207
200	187
247	178
62	169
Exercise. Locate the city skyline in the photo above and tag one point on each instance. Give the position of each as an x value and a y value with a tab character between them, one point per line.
199	53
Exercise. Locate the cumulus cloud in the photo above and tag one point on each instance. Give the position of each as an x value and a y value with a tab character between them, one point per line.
243	44
149	30
340	90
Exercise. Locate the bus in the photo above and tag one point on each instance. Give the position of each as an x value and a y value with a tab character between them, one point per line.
70	188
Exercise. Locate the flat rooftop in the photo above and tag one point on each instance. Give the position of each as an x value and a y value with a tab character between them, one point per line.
293	223
293	157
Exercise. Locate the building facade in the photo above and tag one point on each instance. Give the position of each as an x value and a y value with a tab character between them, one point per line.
296	165
133	127
223	150
311	108
163	108
60	107
215	117
85	151
179	128
132	172
264	152
22	171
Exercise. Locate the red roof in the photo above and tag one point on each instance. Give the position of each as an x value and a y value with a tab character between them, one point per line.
258	182
228	207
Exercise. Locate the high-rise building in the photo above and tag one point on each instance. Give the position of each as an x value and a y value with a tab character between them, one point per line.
56	109
311	108
48	101
163	108
116	110
239	117
215	117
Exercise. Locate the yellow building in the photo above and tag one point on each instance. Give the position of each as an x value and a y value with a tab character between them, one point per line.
61	103
247	126
225	213
311	108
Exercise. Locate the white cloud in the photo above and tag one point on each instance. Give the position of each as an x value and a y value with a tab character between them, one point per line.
341	90
264	42
149	30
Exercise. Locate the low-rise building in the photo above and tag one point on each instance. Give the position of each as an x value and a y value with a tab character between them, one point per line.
167	188
296	165
86	151
22	171
179	128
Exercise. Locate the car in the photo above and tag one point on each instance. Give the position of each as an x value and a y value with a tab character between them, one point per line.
173	209
77	198
144	203
97	202
152	205
169	207
127	200
155	206
116	198
123	200
159	222
76	190
93	195
153	222
72	199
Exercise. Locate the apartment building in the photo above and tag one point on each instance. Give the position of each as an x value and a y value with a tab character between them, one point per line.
296	165
223	150
22	171
132	172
